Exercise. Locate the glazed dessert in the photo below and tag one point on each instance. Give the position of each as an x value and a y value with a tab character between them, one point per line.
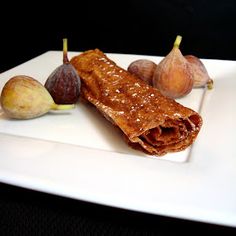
148	120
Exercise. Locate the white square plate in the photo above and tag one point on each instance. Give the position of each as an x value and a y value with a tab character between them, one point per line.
79	154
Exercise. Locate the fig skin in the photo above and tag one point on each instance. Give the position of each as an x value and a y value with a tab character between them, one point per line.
64	82
200	75
23	97
144	69
173	76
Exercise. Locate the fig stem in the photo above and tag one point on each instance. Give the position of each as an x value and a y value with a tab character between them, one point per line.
177	41
62	106
210	84
65	49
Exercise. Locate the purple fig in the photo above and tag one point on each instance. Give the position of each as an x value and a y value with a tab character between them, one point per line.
64	82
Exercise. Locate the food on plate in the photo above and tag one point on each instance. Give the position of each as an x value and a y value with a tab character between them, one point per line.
143	68
64	82
148	120
173	76
23	97
201	77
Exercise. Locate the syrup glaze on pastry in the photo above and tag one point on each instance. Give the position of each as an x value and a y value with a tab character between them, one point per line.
148	120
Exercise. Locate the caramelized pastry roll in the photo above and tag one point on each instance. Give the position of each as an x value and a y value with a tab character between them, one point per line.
148	120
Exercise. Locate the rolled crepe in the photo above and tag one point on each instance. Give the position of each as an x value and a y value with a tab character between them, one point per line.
148	120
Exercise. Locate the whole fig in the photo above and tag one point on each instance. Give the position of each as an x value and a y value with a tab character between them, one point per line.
143	68
64	82
173	76
23	97
201	77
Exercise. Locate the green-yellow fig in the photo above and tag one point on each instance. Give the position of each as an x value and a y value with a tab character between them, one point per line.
23	97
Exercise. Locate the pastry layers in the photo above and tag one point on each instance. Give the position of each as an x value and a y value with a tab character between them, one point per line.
148	120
